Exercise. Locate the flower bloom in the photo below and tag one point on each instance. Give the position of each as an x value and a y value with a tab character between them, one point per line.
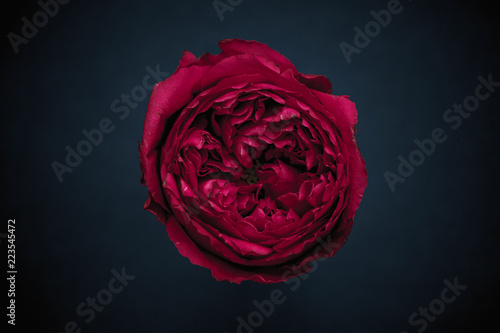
249	163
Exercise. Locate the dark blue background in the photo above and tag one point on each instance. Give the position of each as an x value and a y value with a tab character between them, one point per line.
441	223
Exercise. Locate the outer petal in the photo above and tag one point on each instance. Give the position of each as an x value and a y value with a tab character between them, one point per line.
187	60
224	270
232	47
345	114
168	97
316	82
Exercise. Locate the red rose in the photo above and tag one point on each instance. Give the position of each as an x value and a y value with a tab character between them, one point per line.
249	163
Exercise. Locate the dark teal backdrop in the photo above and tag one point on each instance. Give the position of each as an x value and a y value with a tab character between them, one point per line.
73	238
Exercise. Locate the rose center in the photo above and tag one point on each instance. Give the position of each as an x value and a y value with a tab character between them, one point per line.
250	175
